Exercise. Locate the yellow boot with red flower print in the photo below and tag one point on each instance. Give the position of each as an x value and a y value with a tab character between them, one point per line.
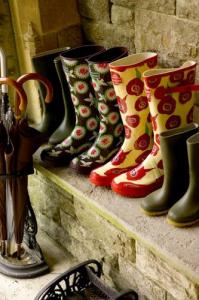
126	74
171	100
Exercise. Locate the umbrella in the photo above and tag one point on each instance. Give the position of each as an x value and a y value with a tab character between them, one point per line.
22	142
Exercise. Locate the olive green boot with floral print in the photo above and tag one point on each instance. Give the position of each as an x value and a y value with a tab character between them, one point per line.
76	69
111	133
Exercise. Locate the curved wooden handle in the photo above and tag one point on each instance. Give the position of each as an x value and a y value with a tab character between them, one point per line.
36	76
21	105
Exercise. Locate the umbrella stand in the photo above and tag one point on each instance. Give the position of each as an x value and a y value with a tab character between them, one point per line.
24	258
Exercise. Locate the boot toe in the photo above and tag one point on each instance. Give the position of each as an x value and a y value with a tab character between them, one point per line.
55	157
129	189
99	180
81	167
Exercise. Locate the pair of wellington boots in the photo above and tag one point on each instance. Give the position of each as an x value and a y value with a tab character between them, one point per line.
150	102
98	132
58	116
179	193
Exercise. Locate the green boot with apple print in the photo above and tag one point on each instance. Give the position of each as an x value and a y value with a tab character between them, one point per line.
111	133
76	69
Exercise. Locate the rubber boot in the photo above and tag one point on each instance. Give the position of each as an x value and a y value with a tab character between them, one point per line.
126	76
75	66
176	171
68	122
53	112
171	100
111	134
186	211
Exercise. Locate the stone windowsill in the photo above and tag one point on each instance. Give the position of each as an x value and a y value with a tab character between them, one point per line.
178	247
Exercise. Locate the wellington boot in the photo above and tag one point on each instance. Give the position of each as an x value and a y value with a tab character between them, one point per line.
111	134
171	100
68	122
186	211
75	66
176	171
126	74
53	112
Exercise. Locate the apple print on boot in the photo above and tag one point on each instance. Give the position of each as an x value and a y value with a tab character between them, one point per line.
170	107
110	136
127	79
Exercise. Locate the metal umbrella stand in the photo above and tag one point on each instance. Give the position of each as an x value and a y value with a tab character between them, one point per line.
20	256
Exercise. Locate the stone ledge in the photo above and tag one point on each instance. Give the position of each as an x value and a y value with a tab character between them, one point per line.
162	245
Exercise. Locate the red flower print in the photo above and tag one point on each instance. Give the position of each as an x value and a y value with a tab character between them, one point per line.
153	81
185	97
119	157
115	171
191	77
157	139
83	71
122	104
154	122
142	142
127	132
173	122
152	62
142	156
137	173
141	103
160	164
149	118
135	87
190	116
167	105
159	92
155	149
177	76
133	120
81	86
102	65
116	79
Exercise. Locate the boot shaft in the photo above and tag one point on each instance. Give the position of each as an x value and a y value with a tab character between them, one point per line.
170	110
193	158
174	153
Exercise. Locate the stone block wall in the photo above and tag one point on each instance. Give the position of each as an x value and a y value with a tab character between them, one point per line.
7	38
170	27
86	234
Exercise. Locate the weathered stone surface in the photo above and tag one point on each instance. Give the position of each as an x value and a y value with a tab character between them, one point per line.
70	36
159	271
164	6
130	276
125	3
7	41
94	9
113	240
122	15
108	35
188	10
174	40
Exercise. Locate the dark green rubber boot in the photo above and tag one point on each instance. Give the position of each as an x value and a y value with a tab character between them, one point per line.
176	171
68	122
53	112
186	211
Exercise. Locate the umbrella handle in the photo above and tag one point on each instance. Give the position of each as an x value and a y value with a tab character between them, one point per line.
36	76
22	98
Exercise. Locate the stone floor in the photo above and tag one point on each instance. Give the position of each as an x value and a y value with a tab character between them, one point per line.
23	289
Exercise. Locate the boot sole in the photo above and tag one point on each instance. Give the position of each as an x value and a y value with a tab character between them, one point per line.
154	213
181	225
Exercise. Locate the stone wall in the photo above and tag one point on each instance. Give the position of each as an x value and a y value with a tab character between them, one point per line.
170	27
7	38
78	227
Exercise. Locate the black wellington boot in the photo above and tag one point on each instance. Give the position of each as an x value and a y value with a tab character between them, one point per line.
176	171
186	211
68	122
53	112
